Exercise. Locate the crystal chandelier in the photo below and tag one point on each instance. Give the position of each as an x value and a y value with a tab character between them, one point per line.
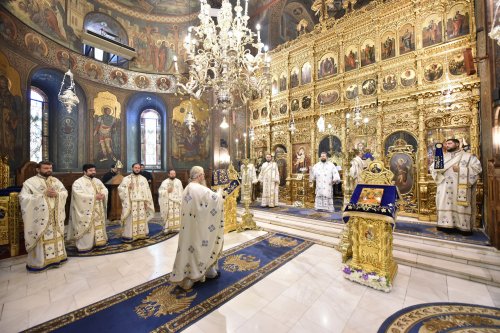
357	118
68	97
219	57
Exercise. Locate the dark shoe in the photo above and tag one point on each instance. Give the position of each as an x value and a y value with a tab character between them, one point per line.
445	230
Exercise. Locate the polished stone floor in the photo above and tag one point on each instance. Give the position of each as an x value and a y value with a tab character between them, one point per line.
308	294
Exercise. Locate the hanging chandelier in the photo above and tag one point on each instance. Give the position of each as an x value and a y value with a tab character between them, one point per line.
68	97
356	118
219	56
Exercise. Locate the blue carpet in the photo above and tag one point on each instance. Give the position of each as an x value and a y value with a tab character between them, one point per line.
443	317
115	243
158	306
478	236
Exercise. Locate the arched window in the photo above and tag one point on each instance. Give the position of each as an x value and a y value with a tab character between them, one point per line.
151	139
39	125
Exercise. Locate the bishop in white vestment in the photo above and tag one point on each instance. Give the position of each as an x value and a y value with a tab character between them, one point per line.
270	178
42	201
456	188
87	213
325	174
169	198
357	166
137	205
202	232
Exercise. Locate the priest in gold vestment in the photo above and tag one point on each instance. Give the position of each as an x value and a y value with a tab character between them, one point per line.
269	176
42	201
87	213
169	198
137	205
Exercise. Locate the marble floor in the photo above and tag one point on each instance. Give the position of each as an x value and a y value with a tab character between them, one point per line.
308	294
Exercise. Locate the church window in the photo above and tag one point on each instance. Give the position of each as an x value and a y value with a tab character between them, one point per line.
39	125
151	139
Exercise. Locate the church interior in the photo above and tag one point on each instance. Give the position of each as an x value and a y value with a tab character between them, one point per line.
225	84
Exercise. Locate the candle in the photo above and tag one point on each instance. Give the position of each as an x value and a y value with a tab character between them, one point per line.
245	141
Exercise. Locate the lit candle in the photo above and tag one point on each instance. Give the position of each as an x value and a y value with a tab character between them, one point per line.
258	32
246	8
175	64
237	148
245	141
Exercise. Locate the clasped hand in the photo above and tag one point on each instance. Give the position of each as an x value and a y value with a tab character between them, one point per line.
456	168
99	196
51	193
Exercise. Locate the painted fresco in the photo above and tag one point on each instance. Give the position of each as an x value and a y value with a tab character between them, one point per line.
294	78
457	64
163	83
141	81
433	72
193	145
301	158
369	87
294	106
283	108
352	91
408	77
328	97
388	45
10	115
93	70
107	130
367	53
283	83
306	102
402	167
306	74
156	40
274	86
8	28
65	59
389	82
432	30
406	38
351	58
327	65
457	23
36	45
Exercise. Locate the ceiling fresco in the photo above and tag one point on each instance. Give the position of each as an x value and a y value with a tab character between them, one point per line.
156	7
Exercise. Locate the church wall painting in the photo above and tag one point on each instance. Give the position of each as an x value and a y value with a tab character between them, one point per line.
65	59
367	52
433	72
402	166
457	23
156	39
10	112
432	30
305	78
294	77
369	87
191	146
283	83
118	77
327	65
283	108
389	82
456	65
264	112
388	45
294	106
351	58
8	28
107	130
328	97
408	77
301	157
352	91
406	38
142	82
36	45
306	102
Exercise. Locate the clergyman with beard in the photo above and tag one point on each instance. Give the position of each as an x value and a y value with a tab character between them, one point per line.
202	233
325	174
137	205
42	201
87	212
169	199
456	189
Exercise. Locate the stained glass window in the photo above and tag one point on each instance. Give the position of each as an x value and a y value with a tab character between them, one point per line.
151	139
39	129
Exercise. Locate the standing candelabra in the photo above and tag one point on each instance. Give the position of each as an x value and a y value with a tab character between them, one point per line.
247	222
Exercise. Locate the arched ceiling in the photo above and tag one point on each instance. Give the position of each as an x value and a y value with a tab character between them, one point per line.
156	7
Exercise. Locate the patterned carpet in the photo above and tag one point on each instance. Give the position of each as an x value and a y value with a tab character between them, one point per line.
158	306
478	236
115	243
443	317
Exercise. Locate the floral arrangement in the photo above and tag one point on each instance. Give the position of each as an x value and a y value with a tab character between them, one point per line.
368	279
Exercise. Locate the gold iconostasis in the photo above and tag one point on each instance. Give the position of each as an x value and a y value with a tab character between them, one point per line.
390	79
